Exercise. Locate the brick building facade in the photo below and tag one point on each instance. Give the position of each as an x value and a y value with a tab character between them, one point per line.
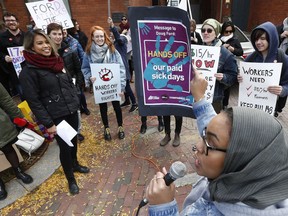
91	12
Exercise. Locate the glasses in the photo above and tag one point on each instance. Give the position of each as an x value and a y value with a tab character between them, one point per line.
226	32
124	19
203	30
207	146
10	20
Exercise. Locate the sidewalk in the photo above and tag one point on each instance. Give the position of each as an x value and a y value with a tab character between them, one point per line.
120	169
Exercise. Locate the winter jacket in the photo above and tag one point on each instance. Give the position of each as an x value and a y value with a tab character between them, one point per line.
198	202
75	46
234	42
8	111
109	58
9	40
228	66
272	55
121	46
82	38
50	95
72	63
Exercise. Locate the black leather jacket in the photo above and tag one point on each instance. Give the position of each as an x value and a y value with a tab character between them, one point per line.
50	95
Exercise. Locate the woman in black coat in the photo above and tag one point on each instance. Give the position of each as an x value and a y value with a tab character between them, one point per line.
52	96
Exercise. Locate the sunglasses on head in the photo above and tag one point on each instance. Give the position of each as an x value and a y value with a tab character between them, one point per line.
203	30
228	32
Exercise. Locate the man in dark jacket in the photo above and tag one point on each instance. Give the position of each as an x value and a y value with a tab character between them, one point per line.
12	37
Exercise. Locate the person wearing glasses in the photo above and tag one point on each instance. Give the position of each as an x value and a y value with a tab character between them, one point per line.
52	97
227	70
12	37
230	42
124	25
242	161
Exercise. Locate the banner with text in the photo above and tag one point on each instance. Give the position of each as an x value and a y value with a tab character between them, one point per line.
253	91
206	60
107	86
161	48
46	12
16	53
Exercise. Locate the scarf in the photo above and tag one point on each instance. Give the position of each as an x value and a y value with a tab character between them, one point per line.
255	168
224	39
53	63
284	44
98	53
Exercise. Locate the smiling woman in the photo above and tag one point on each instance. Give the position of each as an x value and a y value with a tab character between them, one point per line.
52	96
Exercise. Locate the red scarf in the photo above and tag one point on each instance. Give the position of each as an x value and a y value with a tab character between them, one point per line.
53	63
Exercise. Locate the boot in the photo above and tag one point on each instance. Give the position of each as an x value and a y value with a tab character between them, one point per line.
73	187
143	128
107	135
176	141
165	140
81	169
121	134
3	192
27	179
160	125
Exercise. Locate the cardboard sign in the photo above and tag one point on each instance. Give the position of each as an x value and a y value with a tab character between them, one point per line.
17	57
253	91
206	60
107	86
46	12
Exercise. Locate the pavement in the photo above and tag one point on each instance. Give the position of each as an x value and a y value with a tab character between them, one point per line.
120	169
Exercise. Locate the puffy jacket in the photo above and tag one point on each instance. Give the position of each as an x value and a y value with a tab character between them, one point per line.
8	111
50	95
72	63
109	58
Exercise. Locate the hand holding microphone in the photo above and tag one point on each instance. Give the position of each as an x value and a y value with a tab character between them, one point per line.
160	189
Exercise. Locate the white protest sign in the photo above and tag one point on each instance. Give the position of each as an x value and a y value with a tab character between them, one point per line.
107	85
253	91
17	57
46	12
206	59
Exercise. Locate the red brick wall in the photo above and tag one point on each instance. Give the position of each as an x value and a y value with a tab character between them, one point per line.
261	11
91	12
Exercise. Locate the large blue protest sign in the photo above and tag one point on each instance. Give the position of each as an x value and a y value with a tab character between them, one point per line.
162	60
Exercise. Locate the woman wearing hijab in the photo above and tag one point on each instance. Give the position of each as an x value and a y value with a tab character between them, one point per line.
242	158
100	49
227	70
265	41
52	96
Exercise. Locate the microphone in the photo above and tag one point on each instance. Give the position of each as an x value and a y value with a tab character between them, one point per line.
177	170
